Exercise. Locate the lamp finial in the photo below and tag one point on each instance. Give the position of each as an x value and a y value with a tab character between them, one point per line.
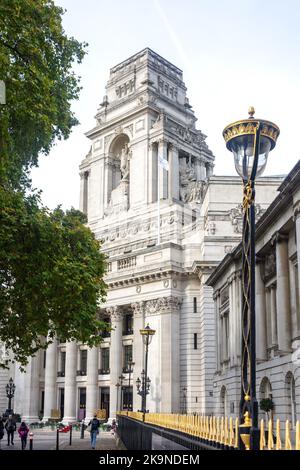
251	111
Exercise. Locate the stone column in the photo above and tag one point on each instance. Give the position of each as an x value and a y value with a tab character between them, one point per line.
274	330
283	294
31	391
70	383
202	171
115	357
173	172
297	225
216	298
152	172
169	308
268	317
138	309
231	352
261	321
50	380
163	174
92	383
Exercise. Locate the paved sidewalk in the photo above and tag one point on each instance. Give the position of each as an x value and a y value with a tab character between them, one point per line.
105	441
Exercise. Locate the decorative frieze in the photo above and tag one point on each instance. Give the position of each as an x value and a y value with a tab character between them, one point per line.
162	305
236	216
126	88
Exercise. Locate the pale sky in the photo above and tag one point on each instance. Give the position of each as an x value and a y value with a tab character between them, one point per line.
233	53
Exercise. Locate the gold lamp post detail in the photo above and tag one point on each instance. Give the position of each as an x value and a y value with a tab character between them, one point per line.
250	141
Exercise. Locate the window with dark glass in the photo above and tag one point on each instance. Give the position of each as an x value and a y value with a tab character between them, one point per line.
195	341
104	361
62	368
83	360
106	334
128	324
195	304
127	357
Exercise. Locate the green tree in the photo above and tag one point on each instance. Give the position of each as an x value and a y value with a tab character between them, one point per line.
36	59
51	266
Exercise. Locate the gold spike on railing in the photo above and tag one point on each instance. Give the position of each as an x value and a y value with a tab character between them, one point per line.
236	442
231	432
262	441
222	431
297	446
226	433
270	435
278	438
288	444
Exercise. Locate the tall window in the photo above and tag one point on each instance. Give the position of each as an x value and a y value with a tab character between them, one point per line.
195	341
224	326
105	360
63	362
127	356
291	398
195	304
128	324
224	401
83	360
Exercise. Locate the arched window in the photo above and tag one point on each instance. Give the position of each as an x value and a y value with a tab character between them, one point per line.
265	392
223	402
291	398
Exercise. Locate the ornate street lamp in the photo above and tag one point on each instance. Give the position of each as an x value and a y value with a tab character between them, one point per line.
10	392
143	386
250	141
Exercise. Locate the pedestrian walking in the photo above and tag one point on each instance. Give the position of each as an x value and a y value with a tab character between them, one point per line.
23	432
1	430
10	427
93	426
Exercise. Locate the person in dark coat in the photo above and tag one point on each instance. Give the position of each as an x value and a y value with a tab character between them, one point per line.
94	430
23	432
10	427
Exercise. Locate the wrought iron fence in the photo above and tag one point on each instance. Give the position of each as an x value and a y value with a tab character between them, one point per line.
218	432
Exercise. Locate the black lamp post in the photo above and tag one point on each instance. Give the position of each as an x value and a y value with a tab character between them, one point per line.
118	386
130	365
121	378
143	386
250	141
10	391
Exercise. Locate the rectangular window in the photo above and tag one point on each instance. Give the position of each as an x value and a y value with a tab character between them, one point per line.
128	325
127	356
83	360
44	365
195	304
63	362
105	360
195	341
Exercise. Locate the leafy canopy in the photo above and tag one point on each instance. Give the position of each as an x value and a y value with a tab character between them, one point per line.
36	59
51	266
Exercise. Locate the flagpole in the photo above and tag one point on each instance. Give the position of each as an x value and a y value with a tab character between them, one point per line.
158	200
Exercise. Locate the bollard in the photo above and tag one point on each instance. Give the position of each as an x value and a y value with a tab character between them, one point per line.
57	439
71	428
30	440
82	430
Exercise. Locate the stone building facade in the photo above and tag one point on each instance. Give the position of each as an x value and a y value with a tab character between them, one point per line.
145	116
277	310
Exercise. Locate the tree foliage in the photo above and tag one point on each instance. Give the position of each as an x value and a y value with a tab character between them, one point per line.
36	59
51	266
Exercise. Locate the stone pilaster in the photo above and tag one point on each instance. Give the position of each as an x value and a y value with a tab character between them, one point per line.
173	172
50	380
152	168
163	174
274	329
92	383
283	294
70	383
261	320
115	356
